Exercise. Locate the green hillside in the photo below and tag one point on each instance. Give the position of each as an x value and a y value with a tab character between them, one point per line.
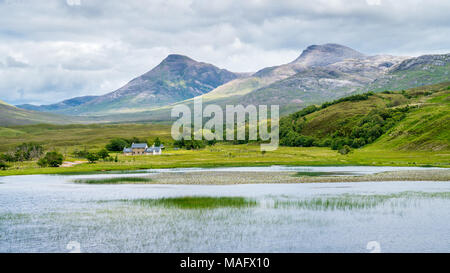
11	115
415	119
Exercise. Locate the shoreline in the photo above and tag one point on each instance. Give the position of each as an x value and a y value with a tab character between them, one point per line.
230	178
80	169
286	177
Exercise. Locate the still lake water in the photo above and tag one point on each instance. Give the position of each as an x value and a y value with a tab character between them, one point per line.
43	213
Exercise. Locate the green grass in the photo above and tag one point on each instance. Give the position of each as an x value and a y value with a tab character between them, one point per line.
115	180
196	202
227	155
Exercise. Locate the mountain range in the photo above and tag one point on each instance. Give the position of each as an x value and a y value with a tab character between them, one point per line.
321	73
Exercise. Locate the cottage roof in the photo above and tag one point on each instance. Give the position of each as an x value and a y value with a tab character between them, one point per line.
139	146
152	149
127	150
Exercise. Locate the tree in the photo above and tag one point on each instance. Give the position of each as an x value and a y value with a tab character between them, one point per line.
358	142
116	145
92	157
51	159
157	142
28	151
3	165
103	154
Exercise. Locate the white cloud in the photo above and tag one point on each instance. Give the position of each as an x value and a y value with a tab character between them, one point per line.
57	49
373	2
73	2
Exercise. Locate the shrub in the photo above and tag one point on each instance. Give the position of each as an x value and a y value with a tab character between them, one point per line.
51	159
344	150
103	154
3	165
92	157
7	158
80	154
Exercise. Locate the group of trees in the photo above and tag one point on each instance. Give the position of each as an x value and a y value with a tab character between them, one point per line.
117	144
189	144
103	154
31	151
93	157
353	133
23	152
368	129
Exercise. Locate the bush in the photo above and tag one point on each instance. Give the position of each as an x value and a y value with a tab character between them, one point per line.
92	157
3	165
80	154
7	158
103	154
51	159
344	150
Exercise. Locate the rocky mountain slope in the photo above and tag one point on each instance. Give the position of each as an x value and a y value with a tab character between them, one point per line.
176	78
59	107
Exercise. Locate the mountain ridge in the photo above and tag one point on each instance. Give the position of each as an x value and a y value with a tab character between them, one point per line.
319	73
176	78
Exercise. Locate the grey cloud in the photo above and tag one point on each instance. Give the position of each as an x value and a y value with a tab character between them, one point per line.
95	47
11	62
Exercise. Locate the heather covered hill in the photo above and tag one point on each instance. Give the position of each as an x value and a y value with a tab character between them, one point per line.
415	119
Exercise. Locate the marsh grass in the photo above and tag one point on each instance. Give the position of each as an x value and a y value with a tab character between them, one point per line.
329	203
115	180
339	202
355	201
197	202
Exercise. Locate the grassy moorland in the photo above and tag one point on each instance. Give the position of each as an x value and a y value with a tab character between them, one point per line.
417	136
67	138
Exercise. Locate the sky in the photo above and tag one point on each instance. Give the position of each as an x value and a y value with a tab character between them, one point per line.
52	50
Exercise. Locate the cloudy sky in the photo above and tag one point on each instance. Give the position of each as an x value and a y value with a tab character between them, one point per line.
52	50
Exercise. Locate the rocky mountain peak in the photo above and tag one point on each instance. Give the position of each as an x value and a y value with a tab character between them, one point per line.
322	55
177	58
